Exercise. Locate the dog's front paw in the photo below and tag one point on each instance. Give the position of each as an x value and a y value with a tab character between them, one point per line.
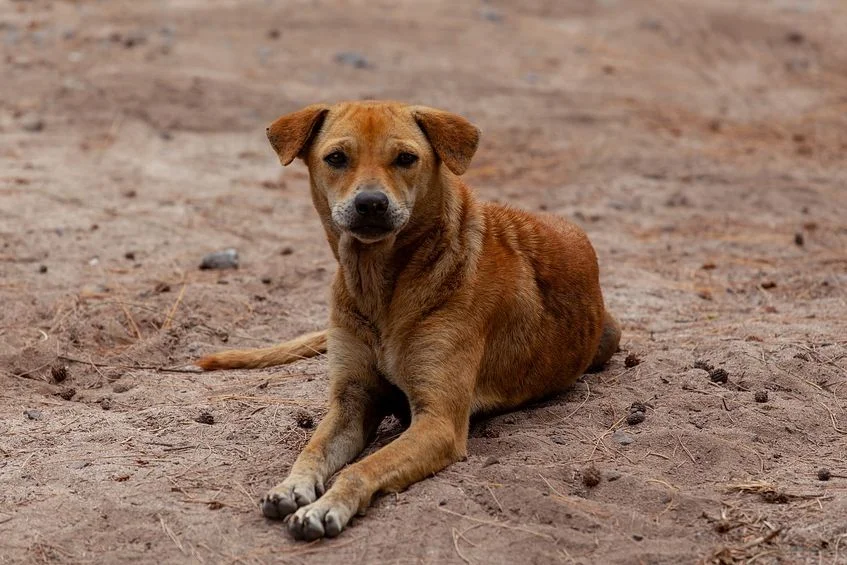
324	518
289	495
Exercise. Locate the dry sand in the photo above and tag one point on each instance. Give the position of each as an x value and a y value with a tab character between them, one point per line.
701	144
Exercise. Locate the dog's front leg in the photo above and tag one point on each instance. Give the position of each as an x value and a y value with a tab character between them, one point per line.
436	438
355	411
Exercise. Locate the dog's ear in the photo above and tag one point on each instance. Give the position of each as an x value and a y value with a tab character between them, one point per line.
453	138
290	135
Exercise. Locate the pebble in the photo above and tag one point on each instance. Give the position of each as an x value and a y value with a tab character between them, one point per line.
622	438
33	414
635	418
353	59
79	465
761	396
32	122
490	461
226	259
491	15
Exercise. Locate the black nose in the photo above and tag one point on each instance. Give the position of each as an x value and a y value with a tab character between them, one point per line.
371	203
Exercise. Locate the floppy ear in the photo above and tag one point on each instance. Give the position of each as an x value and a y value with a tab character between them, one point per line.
453	138
290	135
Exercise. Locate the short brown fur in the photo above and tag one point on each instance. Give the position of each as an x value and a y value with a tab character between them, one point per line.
466	307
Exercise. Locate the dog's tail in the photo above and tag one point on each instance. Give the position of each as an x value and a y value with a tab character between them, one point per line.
302	347
609	342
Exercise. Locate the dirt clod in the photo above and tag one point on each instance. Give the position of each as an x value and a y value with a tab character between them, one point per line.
637	407
42	269
591	476
631	361
704	365
824	474
767	285
760	396
205	417
304	419
106	403
635	418
799	239
66	393
719	376
59	373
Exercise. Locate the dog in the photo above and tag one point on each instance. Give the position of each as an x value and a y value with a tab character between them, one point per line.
442	307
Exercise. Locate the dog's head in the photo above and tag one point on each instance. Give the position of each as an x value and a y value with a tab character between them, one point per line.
371	161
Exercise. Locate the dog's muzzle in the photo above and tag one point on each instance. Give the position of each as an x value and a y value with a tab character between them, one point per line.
369	216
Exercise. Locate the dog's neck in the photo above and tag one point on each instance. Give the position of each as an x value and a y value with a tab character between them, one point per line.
433	235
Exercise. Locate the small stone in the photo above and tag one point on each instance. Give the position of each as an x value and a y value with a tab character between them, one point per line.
761	396
273	34
304	419
79	464
205	417
767	285
824	474
509	420
799	239
591	477
613	476
637	537
635	418
162	287
59	373
32	122
121	387
226	259
33	414
490	461
286	251
266	280
719	376
42	269
106	403
491	15
130	255
622	438
631	361
353	59
66	393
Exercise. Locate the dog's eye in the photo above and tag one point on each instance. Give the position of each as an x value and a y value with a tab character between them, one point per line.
405	159
336	159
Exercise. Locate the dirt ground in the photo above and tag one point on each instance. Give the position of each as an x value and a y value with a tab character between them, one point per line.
700	143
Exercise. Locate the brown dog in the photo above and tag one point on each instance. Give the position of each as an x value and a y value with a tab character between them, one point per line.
442	306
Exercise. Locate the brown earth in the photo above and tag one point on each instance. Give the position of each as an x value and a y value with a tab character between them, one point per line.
701	144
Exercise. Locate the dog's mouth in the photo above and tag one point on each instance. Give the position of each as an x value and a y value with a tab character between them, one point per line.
371	231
